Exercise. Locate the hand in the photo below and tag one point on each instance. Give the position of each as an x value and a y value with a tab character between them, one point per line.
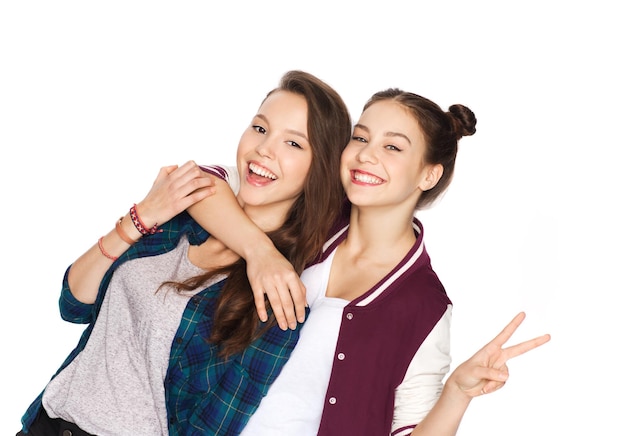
486	371
174	190
272	275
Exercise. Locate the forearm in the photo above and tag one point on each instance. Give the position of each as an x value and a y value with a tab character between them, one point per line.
173	191
87	271
270	274
222	216
445	417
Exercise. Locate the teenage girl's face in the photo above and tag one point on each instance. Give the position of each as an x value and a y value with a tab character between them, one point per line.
383	164
274	155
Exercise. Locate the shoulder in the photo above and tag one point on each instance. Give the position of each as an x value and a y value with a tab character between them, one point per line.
227	173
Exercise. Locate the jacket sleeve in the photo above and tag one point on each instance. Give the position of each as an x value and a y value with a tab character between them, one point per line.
423	382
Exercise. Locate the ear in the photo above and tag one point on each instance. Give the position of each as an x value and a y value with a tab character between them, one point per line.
433	175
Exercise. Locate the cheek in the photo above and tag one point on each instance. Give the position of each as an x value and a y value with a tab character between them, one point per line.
299	170
304	169
242	166
346	156
247	142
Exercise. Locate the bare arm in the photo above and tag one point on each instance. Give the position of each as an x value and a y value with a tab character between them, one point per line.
174	190
268	271
483	373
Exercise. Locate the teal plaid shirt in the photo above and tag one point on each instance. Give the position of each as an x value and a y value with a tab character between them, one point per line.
205	394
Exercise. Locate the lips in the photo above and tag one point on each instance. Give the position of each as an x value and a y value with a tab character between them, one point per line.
258	175
258	170
365	178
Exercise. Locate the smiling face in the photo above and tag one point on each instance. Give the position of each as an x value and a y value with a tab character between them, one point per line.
274	157
383	163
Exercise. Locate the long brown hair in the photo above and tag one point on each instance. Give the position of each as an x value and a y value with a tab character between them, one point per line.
308	222
442	131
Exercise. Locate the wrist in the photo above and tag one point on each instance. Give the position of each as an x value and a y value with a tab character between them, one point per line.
258	247
453	391
141	225
127	231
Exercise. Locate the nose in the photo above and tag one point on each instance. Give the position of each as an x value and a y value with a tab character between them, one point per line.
265	147
367	154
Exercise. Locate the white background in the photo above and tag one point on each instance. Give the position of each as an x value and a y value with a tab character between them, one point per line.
96	96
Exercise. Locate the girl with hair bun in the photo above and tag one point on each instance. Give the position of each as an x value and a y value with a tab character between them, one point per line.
375	348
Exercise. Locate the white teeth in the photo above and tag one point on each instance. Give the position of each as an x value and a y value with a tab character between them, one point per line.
259	171
366	178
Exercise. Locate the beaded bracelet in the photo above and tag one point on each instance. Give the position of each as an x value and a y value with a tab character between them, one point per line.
139	225
122	234
104	252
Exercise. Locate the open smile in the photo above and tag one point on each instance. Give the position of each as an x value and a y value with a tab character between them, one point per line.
363	178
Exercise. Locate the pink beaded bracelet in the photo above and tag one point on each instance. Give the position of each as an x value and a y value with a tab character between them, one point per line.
104	252
139	225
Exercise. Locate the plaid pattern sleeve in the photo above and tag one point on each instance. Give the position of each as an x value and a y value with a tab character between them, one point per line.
206	394
71	309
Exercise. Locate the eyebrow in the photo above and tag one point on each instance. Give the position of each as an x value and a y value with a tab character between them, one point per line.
293	132
386	134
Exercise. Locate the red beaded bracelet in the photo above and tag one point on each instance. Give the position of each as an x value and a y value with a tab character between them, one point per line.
104	252
139	225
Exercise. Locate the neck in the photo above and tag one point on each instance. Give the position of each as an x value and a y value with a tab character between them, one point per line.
211	254
381	231
267	218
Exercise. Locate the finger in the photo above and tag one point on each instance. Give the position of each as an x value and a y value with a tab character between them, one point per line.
521	348
293	297
170	169
277	307
259	303
194	198
496	378
186	173
200	194
491	386
298	296
194	179
489	374
287	306
200	173
189	164
508	331
164	172
183	184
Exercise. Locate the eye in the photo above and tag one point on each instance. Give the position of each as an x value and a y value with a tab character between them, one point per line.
392	147
259	129
359	139
294	144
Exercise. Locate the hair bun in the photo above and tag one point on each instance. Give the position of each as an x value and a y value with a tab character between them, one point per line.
463	120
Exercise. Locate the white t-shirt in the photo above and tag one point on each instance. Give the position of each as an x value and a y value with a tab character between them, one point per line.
294	403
